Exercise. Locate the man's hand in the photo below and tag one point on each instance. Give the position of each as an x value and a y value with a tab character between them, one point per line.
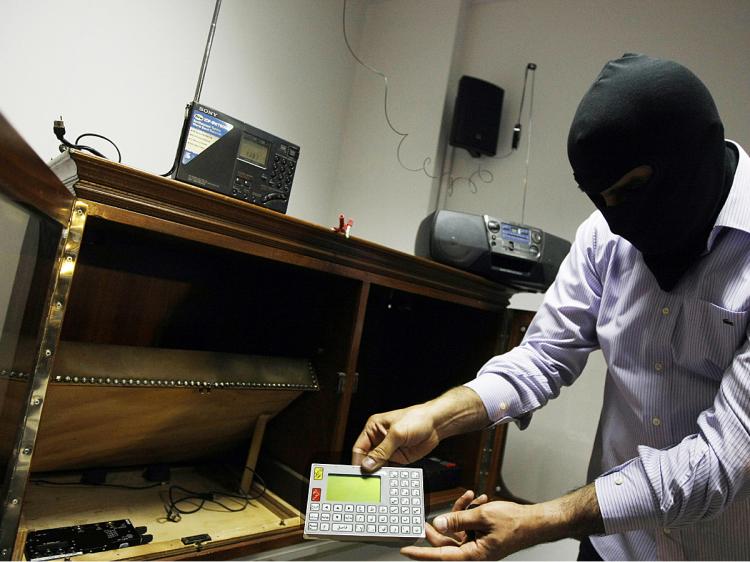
407	435
502	528
401	435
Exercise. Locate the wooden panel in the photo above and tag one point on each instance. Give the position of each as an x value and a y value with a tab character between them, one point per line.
90	426
135	317
277	236
26	179
13	393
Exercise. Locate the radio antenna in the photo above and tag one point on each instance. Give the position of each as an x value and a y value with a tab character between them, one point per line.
207	52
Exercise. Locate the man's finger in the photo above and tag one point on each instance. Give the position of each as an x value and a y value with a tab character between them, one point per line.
459	521
462	502
381	454
437	539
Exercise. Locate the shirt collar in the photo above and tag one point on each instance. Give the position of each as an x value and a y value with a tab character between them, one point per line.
734	213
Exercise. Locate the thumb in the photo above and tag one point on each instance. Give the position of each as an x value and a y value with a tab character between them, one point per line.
383	452
458	521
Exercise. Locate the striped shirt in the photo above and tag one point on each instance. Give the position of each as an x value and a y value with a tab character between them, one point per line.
671	459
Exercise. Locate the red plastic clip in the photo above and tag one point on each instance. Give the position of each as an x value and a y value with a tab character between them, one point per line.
344	226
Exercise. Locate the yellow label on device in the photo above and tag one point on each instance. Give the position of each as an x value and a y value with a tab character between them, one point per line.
318	473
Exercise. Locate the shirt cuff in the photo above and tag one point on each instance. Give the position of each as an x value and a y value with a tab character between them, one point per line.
501	400
626	500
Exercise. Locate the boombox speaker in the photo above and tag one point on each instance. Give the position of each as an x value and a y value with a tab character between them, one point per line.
515	254
476	116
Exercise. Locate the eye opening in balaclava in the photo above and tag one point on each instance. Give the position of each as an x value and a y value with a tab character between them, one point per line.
643	110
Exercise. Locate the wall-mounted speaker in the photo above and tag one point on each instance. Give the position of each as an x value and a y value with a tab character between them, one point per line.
476	116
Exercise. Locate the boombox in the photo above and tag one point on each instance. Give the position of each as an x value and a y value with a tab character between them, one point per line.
516	254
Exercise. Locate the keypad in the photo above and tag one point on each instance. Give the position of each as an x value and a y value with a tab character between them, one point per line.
281	173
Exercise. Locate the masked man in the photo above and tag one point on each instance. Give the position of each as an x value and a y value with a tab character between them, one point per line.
658	278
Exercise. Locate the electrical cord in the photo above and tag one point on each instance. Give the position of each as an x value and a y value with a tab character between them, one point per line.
198	500
58	128
427	161
78	140
173	508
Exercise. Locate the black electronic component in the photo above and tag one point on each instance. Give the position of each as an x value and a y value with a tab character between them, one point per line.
223	154
521	256
476	116
62	542
196	539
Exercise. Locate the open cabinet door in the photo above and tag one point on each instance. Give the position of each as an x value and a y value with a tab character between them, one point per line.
37	252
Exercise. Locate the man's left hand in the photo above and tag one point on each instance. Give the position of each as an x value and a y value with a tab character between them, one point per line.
501	528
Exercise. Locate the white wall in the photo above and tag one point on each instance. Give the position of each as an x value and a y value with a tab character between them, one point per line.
411	42
127	69
570	40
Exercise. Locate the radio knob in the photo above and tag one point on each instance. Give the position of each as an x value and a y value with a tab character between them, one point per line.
494	226
534	250
536	236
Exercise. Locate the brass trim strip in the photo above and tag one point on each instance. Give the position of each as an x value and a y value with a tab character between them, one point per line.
67	255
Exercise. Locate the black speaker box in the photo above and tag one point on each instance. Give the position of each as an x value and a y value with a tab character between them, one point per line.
476	116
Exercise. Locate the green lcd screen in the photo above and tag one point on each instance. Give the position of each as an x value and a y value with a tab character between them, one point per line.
353	489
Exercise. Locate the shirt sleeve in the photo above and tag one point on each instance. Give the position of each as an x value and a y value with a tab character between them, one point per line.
556	345
694	480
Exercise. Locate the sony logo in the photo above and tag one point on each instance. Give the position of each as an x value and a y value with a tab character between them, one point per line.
205	110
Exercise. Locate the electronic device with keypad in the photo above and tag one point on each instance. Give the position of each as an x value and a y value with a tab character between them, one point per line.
345	503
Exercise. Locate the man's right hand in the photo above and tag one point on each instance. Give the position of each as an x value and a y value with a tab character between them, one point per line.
407	435
401	435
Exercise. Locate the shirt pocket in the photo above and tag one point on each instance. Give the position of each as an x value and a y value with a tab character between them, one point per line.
707	337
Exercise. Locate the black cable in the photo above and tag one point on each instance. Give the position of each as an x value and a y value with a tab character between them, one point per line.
119	155
174	512
58	128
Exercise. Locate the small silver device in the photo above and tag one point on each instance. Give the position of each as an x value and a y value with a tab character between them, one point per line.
345	503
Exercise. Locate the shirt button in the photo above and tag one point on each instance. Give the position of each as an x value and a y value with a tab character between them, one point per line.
618	480
665	311
503	406
666	531
659	366
656	421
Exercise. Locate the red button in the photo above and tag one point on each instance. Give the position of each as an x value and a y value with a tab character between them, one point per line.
316	494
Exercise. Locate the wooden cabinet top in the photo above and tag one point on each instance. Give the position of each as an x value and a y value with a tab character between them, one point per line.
123	194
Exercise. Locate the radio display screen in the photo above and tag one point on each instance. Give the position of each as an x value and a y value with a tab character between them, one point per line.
516	233
253	151
353	489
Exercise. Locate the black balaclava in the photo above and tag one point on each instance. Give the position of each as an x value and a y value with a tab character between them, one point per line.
647	111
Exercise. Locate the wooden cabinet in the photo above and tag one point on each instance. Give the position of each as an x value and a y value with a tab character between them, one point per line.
148	271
